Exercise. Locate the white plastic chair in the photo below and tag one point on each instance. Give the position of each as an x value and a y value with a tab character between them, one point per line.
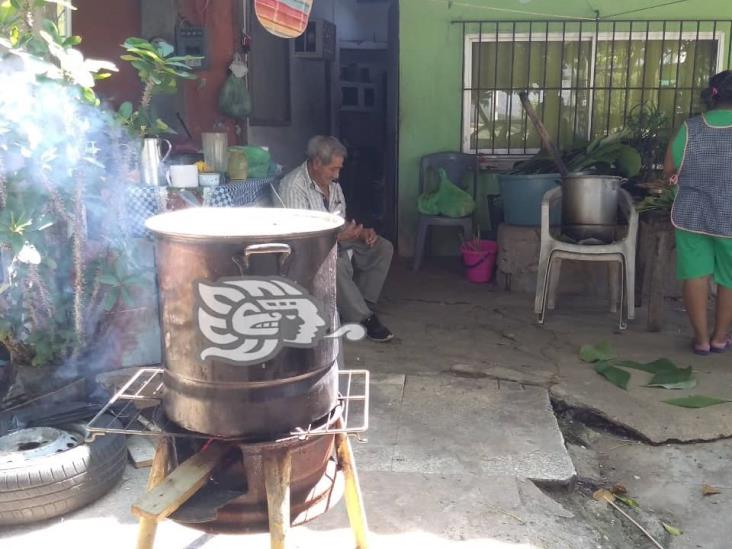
620	254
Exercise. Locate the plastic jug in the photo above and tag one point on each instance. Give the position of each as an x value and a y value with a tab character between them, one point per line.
238	165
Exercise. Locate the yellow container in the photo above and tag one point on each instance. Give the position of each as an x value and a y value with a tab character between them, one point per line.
238	165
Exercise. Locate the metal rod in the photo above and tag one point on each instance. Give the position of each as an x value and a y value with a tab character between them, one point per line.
462	83
627	74
645	63
678	73
610	91
558	135
143	386
660	72
477	86
714	61
594	89
546	66
348	393
525	121
577	83
693	69
509	116
495	93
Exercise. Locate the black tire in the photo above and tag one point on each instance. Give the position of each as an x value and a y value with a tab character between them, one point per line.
53	485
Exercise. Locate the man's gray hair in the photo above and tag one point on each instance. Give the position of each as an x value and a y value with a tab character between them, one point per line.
324	148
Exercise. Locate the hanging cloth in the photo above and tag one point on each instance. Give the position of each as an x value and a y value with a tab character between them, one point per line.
284	18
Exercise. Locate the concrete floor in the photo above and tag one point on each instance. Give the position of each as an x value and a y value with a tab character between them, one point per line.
461	419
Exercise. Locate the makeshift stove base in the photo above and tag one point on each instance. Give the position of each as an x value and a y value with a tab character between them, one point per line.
230	485
281	493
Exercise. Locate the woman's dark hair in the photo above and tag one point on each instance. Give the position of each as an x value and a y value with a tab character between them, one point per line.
719	91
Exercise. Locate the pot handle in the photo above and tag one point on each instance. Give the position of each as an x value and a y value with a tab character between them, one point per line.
259	249
167	153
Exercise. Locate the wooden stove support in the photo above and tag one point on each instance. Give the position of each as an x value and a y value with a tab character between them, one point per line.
166	493
352	493
158	472
277	473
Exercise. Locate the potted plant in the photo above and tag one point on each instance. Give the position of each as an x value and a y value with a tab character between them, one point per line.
159	71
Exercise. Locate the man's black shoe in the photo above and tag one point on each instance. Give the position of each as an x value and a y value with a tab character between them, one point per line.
375	330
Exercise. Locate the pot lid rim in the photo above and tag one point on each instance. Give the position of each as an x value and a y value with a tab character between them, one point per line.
159	224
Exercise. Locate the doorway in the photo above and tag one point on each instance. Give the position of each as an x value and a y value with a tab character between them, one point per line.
366	95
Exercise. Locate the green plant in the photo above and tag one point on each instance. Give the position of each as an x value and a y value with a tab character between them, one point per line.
159	71
61	221
661	199
28	31
648	127
121	280
609	155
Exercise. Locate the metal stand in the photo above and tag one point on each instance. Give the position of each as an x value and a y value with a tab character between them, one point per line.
138	407
166	492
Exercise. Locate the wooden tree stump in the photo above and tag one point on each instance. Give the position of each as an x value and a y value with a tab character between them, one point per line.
655	244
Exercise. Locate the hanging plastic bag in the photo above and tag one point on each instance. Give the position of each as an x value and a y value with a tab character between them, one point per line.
448	200
234	99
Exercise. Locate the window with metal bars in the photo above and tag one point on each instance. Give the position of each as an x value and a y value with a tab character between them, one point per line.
583	78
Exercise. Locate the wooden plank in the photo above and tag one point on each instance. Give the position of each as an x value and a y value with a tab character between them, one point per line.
657	290
543	134
180	485
141	450
148	527
354	501
277	473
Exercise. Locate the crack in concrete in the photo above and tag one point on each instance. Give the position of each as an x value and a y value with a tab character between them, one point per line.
399	424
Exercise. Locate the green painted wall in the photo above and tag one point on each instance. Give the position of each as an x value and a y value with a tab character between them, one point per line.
430	78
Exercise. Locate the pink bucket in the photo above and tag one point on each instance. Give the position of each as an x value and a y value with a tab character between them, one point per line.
479	263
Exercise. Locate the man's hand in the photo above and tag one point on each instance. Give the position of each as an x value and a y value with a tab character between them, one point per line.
351	231
369	237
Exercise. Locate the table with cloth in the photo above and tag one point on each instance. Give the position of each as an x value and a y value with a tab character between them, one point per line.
145	202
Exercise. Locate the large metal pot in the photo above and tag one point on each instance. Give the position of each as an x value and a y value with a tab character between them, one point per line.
590	206
209	388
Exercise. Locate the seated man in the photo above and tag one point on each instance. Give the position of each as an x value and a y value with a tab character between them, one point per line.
313	186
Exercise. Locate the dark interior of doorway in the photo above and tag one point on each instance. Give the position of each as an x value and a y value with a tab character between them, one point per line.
367	124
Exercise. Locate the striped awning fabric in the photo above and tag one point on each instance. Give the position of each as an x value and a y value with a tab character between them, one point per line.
284	18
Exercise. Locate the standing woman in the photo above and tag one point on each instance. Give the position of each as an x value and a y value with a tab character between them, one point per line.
700	160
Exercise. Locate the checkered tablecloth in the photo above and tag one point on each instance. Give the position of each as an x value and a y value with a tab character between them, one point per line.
142	203
238	193
145	202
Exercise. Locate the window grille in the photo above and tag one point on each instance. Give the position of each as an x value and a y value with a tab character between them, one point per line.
584	78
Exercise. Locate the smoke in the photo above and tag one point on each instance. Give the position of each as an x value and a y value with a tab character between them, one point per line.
65	239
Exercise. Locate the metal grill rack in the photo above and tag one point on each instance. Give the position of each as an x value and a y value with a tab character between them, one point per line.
137	406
